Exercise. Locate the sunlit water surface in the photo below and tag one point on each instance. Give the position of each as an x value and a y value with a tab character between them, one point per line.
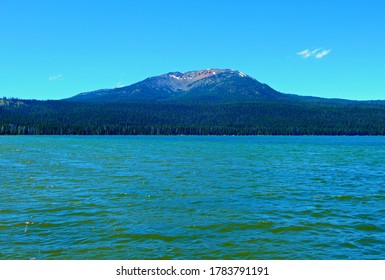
187	197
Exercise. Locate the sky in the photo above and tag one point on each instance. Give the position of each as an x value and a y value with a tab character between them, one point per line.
56	49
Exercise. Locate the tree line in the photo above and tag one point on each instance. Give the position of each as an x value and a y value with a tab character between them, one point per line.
31	117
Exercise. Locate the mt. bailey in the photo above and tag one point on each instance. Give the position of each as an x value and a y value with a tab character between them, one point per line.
202	85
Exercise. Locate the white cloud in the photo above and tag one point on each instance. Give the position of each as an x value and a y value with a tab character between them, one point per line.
119	85
305	53
322	53
317	53
55	77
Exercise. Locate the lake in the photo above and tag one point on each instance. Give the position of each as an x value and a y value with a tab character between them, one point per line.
192	197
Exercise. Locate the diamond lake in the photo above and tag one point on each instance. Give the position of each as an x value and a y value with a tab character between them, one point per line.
192	197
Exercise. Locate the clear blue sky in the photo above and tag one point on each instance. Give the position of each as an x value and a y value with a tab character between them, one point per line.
56	49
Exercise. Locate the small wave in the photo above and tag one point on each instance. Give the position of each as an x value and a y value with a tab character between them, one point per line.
348	245
289	228
342	197
147	236
368	241
345	197
321	225
367	227
229	227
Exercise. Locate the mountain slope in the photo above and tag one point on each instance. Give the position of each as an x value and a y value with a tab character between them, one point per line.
202	85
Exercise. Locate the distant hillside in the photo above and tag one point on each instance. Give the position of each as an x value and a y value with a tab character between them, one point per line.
209	85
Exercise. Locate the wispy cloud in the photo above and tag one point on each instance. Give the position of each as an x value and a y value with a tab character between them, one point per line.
316	53
119	85
55	77
305	53
322	53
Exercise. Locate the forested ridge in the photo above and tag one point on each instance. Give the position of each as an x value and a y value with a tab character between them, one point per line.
291	117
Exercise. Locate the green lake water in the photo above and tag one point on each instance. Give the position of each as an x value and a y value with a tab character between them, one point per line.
187	197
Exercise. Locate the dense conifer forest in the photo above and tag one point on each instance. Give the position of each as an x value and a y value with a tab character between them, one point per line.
292	117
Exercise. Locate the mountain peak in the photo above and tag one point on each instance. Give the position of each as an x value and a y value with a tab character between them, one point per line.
201	74
181	81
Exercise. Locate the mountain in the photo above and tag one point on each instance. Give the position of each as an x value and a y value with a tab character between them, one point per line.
204	102
202	85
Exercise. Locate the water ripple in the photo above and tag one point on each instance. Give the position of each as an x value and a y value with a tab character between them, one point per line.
192	197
